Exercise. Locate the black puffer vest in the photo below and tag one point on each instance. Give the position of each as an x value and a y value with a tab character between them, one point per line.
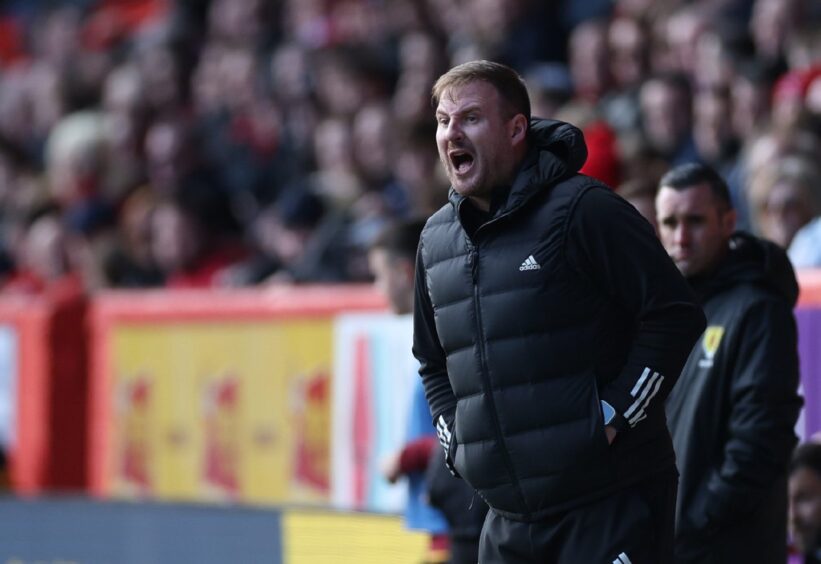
528	341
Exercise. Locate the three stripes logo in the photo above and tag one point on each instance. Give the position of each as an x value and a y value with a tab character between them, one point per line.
443	432
529	264
622	559
643	392
445	436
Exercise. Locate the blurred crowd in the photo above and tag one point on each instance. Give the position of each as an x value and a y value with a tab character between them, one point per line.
229	143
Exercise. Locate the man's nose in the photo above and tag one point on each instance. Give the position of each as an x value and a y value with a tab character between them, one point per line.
453	131
682	235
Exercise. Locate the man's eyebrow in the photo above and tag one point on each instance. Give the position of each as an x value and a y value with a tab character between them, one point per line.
461	111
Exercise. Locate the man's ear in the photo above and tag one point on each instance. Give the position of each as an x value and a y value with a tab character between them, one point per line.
728	221
518	129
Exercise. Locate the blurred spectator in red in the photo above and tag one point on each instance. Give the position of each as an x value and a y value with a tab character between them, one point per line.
603	160
193	234
790	94
43	258
131	264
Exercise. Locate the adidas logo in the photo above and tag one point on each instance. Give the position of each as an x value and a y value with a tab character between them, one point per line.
529	264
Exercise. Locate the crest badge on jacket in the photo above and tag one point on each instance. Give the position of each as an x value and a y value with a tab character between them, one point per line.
709	345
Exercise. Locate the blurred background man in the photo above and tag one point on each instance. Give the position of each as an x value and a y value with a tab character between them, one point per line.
437	502
733	411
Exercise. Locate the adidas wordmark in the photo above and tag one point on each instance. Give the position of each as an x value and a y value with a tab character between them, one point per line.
530	264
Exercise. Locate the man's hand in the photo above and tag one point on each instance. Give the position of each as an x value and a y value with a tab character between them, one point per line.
610	431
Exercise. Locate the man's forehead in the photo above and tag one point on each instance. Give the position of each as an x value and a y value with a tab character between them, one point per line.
461	96
695	193
698	196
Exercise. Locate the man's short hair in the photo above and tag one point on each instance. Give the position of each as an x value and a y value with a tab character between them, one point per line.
689	175
507	82
400	239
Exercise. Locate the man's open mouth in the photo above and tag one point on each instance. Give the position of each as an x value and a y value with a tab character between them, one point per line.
461	161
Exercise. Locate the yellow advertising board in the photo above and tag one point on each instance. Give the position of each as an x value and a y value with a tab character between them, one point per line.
357	538
220	411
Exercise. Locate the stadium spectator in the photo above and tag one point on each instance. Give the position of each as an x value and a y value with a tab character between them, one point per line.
805	501
771	23
628	42
131	264
256	84
588	60
785	197
193	234
750	92
296	239
733	412
666	117
514	366
453	518
417	170
805	249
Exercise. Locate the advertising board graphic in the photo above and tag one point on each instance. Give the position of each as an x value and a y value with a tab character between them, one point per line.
8	386
221	411
374	373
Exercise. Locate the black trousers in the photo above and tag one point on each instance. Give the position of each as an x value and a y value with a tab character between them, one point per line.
633	526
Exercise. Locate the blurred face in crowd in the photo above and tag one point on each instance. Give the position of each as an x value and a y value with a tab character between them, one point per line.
805	508
628	44
175	239
712	128
279	241
588	59
785	209
393	277
770	24
44	248
372	141
750	106
683	30
694	227
479	145
665	114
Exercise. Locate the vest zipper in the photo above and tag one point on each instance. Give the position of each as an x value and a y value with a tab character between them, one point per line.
473	260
